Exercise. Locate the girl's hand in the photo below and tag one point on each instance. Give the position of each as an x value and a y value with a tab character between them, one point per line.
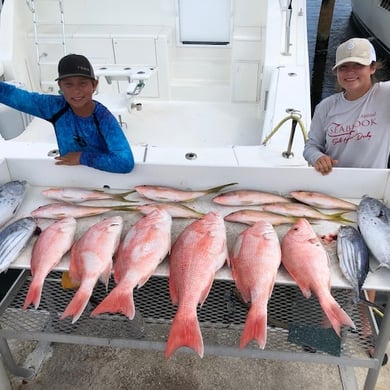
324	165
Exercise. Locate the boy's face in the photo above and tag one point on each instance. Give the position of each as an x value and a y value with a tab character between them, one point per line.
78	91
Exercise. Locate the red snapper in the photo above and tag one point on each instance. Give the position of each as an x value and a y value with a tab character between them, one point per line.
306	260
255	259
197	254
91	259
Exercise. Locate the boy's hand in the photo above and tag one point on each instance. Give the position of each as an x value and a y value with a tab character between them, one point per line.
72	158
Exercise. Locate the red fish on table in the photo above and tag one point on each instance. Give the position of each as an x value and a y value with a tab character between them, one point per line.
306	260
197	254
47	252
144	247
91	259
255	259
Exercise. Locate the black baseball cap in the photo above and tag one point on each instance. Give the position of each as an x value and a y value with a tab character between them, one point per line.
75	65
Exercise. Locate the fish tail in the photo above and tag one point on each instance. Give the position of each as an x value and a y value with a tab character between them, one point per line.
255	327
338	217
219	188
123	195
336	315
185	332
77	305
34	294
118	300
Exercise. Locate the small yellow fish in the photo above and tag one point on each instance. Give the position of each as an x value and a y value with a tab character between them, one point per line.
78	195
174	209
248	198
169	194
322	201
301	210
62	210
250	217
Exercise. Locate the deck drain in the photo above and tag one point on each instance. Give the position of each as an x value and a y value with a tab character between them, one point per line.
191	156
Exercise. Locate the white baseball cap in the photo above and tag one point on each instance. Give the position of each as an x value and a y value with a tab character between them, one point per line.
358	50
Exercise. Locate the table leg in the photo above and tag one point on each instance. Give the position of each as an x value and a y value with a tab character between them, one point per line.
9	361
380	348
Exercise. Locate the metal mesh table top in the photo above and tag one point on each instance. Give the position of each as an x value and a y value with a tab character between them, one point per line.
221	318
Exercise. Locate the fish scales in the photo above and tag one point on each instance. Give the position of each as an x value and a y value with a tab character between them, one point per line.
374	224
306	260
301	210
14	238
174	209
248	198
169	194
48	250
12	194
251	216
144	247
62	210
323	201
255	259
91	260
198	252
78	195
353	255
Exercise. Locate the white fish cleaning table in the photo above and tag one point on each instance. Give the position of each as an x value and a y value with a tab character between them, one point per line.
221	317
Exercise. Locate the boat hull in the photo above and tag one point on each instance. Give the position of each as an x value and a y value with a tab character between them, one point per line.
372	17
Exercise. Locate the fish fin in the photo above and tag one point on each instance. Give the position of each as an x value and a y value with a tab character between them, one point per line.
336	315
338	217
119	300
122	196
34	294
204	294
185	332
219	188
105	275
255	327
304	289
77	305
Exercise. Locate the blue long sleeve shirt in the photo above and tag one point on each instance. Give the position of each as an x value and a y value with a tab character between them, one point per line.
98	137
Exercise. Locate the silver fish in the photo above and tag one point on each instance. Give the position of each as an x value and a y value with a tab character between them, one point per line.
353	255
11	197
373	218
14	238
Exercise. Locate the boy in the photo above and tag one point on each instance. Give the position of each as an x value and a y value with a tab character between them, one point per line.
87	132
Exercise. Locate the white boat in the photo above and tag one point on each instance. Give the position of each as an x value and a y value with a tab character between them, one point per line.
373	17
193	82
209	102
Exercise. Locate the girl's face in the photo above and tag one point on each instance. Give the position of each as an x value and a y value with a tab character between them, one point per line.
78	93
355	79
